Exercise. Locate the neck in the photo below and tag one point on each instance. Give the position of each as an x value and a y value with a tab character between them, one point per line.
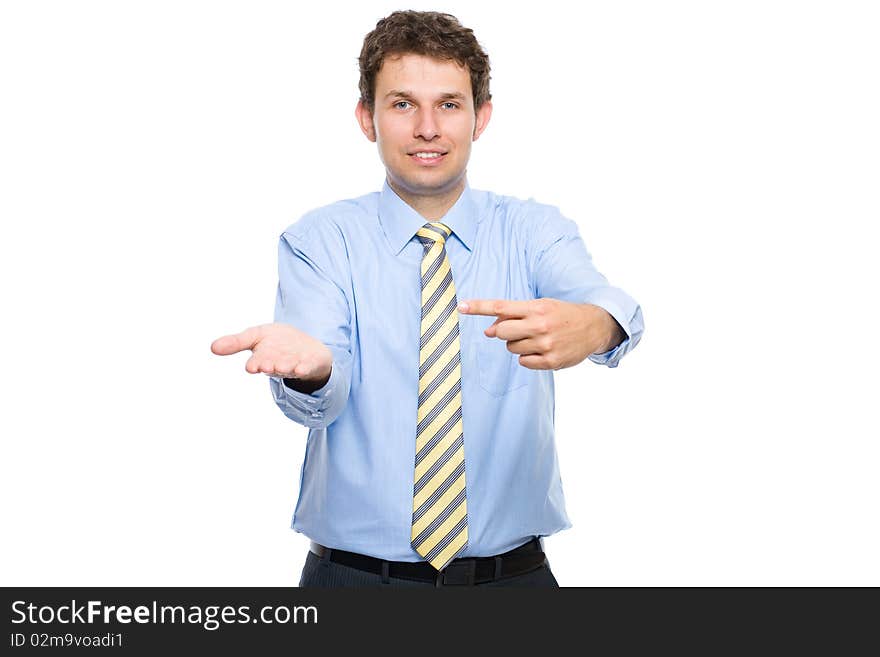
432	207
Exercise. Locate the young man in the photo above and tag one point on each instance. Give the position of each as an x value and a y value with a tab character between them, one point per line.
430	458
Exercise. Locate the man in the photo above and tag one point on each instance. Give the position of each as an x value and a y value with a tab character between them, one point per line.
430	457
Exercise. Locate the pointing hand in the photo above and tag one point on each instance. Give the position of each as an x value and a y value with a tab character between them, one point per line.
548	333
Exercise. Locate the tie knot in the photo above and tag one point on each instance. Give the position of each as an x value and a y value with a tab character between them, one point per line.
433	231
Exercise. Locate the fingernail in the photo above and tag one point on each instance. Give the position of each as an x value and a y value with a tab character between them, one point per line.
463	307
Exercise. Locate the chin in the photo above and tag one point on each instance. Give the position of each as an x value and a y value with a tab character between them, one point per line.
426	188
428	181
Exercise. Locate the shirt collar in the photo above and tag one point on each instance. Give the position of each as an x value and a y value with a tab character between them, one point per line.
400	221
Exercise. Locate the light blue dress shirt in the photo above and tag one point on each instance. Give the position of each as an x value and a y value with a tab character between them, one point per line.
349	276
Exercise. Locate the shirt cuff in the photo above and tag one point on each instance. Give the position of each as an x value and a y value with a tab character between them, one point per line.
313	403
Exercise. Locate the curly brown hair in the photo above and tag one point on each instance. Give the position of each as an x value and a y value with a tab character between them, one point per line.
427	33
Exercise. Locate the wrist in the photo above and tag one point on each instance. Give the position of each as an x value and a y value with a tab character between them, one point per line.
615	333
307	386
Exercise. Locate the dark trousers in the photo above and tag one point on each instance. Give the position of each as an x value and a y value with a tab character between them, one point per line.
321	573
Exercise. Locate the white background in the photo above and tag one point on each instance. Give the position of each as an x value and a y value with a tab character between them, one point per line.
721	160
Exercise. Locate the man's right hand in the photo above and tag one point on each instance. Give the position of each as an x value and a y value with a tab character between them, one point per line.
280	350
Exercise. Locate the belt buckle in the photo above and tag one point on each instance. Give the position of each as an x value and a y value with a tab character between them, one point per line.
457	573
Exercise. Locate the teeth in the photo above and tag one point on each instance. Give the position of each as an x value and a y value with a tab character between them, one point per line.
426	156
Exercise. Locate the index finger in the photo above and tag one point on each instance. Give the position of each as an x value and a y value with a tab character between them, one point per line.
495	307
232	344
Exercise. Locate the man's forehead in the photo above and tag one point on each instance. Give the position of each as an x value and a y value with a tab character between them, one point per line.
410	75
421	65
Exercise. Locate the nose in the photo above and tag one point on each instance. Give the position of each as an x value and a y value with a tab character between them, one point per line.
426	125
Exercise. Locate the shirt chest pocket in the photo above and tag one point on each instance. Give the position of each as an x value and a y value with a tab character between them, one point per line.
499	277
499	369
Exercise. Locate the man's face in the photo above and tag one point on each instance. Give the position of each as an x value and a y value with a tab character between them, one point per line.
424	105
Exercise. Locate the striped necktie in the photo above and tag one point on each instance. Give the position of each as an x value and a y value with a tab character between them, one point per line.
439	522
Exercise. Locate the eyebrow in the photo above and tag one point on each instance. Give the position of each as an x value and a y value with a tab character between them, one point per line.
397	93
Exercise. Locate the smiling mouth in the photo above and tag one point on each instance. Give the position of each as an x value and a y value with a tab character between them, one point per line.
427	156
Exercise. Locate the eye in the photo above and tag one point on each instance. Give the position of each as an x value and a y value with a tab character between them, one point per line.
450	103
401	101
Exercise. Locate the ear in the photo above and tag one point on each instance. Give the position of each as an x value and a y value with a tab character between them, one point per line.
365	121
483	115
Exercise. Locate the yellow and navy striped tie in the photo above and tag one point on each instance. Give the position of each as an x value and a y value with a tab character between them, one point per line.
439	522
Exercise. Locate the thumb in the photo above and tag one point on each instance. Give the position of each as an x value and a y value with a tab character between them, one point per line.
490	331
232	344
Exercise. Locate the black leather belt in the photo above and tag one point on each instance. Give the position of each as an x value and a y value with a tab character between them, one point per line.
462	571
